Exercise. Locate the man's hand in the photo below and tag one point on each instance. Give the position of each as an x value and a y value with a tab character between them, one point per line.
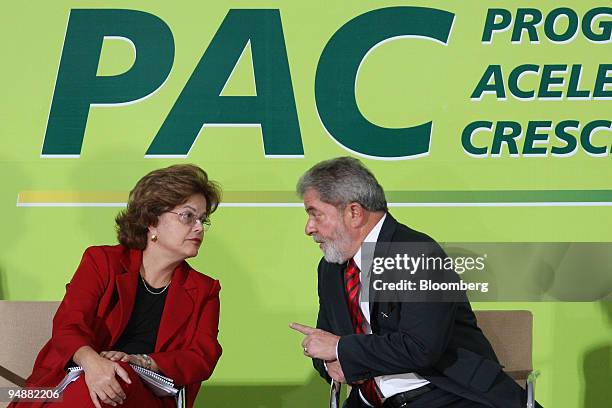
317	343
335	371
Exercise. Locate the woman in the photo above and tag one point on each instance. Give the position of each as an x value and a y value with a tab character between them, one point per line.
140	302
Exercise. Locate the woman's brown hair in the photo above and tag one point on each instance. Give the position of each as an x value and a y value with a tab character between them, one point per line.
160	191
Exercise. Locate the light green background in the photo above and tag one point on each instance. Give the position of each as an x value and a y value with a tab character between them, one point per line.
264	262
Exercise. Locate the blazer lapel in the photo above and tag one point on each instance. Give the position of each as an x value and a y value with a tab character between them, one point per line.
178	308
126	282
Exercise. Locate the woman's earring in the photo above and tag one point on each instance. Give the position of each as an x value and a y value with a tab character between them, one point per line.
154	238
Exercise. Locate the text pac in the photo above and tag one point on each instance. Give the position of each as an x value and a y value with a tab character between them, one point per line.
200	103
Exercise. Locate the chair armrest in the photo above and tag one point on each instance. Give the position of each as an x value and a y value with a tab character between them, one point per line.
12	377
531	380
181	398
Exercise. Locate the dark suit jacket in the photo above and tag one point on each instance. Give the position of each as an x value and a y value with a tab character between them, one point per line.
440	341
97	306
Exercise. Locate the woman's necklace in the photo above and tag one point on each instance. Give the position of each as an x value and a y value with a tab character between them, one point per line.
150	291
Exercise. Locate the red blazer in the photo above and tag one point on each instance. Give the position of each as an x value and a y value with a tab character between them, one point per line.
97	306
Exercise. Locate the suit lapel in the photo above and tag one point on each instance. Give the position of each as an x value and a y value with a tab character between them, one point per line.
383	245
335	278
178	308
385	236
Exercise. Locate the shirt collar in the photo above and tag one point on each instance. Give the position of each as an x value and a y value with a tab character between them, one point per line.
371	237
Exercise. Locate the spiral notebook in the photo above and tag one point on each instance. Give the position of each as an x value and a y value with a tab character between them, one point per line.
160	385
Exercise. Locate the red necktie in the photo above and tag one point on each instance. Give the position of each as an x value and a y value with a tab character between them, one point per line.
352	285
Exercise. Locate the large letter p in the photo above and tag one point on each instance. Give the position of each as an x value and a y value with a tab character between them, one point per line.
78	87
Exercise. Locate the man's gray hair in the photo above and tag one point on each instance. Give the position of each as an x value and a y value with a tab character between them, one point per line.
341	181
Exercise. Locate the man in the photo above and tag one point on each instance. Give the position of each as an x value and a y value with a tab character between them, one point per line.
395	354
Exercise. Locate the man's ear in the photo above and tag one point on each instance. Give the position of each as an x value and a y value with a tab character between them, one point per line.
356	214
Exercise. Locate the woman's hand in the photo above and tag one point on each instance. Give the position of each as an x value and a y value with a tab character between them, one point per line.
100	378
137	359
116	356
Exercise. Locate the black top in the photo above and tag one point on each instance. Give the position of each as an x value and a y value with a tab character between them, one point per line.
140	334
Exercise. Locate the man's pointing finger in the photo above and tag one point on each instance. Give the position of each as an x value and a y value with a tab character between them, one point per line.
302	328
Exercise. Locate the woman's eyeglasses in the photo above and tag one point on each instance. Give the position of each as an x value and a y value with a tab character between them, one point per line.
189	218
